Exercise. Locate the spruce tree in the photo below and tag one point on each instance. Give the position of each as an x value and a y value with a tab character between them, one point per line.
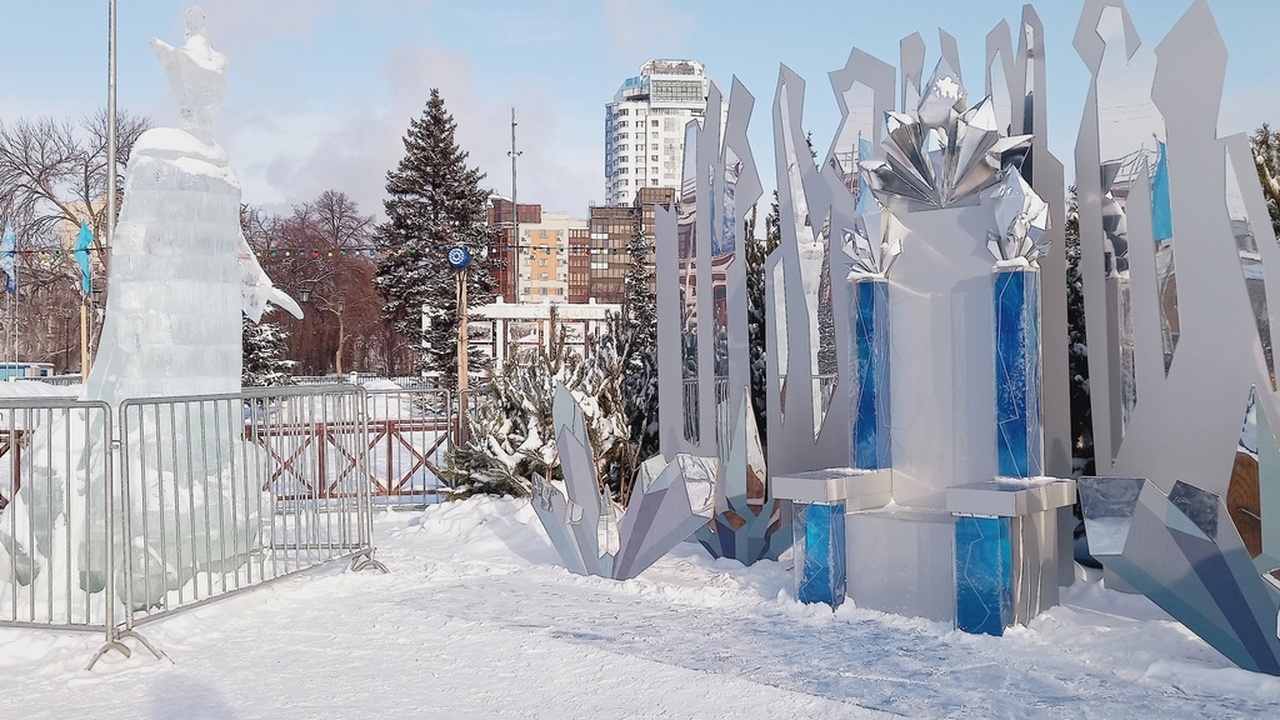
635	336
757	252
436	203
1077	343
263	361
1266	153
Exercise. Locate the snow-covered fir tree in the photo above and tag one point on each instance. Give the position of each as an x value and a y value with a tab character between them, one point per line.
263	360
633	334
1077	342
512	431
1266	153
436	203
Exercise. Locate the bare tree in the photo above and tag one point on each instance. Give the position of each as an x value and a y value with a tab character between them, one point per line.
319	254
54	172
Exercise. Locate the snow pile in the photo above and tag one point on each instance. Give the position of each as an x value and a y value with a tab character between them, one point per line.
478	619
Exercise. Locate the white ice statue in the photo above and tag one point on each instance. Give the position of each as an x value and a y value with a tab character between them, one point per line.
180	270
180	276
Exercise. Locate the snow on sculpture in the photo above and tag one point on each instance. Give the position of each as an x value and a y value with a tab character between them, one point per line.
1183	510
595	536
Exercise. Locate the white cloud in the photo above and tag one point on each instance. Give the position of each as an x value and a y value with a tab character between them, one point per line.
655	28
288	157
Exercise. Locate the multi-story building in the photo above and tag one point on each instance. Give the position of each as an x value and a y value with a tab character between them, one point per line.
503	214
611	229
539	262
644	127
545	252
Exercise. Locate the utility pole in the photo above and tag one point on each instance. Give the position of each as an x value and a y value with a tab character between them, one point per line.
110	222
515	214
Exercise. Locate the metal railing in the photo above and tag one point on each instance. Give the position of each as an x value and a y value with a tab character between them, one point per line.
183	501
58	503
408	429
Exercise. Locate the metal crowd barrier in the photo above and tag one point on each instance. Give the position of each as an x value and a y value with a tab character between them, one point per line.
56	505
184	501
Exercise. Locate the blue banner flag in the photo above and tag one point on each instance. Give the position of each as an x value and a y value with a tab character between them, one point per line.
82	255
1161	204
9	258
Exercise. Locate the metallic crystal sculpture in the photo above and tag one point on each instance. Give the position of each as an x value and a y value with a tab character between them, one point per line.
1181	550
593	535
1021	220
942	155
748	526
807	332
704	362
1183	421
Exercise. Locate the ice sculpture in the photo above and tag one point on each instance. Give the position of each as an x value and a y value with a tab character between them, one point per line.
180	275
180	272
1177	438
704	363
593	535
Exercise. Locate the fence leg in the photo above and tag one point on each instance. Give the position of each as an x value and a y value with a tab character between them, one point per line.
115	636
365	560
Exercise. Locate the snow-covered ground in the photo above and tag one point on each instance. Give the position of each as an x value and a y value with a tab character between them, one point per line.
478	619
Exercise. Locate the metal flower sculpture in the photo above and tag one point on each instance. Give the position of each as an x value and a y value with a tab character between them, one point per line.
942	155
1022	217
593	535
875	240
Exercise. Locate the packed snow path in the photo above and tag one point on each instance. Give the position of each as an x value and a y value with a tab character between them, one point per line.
478	619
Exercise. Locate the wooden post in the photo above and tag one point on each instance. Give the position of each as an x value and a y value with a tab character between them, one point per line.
463	342
84	339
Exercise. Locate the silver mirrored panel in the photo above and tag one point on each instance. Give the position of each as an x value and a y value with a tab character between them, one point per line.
1255	276
687	234
811	236
1131	140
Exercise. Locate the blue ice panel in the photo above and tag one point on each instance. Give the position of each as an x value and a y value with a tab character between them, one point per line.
870	406
984	575
820	553
1017	366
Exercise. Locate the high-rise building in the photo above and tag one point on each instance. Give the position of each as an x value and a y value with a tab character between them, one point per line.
644	127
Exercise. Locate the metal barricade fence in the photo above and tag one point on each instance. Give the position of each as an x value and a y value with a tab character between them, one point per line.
227	492
191	499
56	506
408	428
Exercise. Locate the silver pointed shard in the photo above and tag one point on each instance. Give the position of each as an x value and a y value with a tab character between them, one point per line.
875	240
1021	218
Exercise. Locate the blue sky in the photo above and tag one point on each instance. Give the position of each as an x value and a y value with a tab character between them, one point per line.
321	91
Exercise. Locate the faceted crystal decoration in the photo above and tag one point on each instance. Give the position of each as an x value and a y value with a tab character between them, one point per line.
875	240
1021	220
592	533
941	155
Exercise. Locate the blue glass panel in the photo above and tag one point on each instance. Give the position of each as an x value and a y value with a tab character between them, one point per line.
1017	360
820	553
984	575
870	406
